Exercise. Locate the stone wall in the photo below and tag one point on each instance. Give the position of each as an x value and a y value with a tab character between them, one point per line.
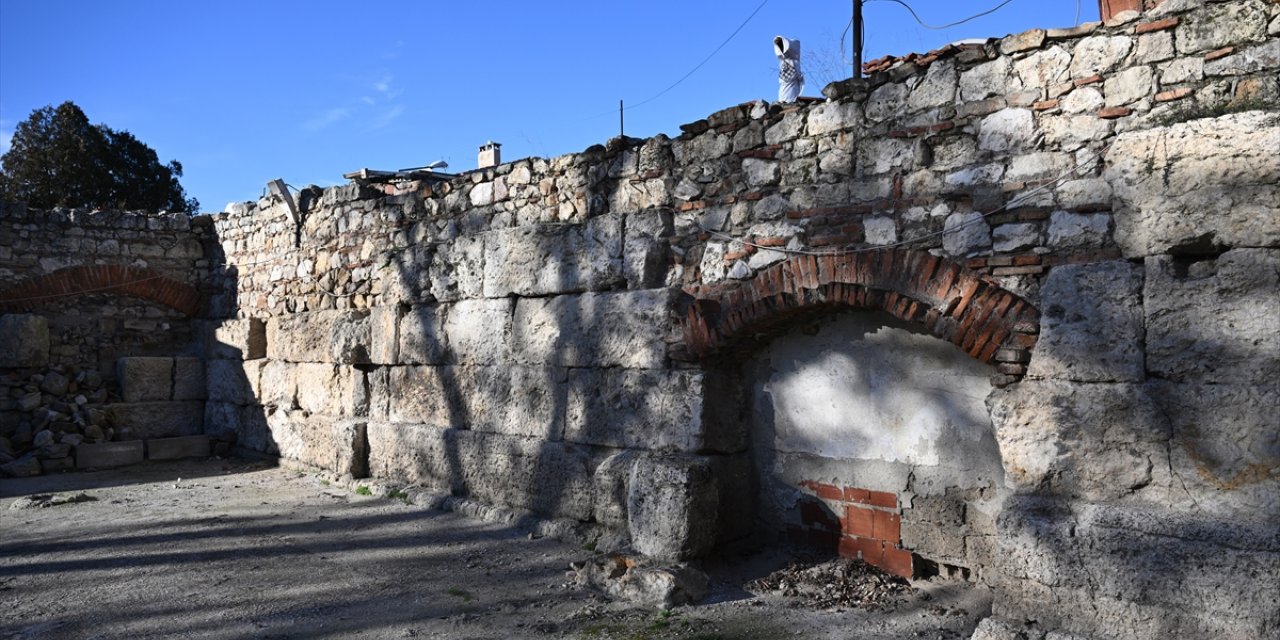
1089	214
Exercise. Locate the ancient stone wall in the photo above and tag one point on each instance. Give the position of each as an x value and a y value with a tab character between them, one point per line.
1088	215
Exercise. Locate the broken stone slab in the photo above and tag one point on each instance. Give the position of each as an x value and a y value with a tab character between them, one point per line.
109	454
176	448
46	500
24	341
629	579
145	379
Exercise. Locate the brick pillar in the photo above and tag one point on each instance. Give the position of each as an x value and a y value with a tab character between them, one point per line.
1108	8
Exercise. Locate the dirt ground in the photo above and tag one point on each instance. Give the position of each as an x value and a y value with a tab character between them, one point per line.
243	549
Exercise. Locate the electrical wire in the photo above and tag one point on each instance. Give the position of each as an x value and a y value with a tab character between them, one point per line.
945	26
700	64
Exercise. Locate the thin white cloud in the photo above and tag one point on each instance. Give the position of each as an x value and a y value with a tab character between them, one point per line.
327	119
387	117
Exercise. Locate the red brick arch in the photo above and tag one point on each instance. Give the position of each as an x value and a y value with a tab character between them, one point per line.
940	296
139	282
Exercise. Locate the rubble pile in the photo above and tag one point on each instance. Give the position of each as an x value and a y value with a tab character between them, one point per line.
835	584
45	415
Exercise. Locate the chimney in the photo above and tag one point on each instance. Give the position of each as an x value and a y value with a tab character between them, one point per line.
490	155
1109	8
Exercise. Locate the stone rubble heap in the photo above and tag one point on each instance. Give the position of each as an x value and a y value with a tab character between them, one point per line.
57	409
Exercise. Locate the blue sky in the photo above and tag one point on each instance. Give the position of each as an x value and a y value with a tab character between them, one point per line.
244	92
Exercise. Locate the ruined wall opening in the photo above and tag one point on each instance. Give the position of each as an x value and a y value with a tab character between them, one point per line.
855	387
865	437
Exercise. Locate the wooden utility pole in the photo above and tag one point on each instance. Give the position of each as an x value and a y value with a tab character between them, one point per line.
857	38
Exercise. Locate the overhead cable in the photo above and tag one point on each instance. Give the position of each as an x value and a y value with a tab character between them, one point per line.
949	25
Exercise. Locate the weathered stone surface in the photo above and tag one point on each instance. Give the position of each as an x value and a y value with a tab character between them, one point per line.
966	234
1083	100
833	116
671	506
456	271
635	409
1092	441
1197	184
1252	60
1225	446
248	423
476	332
332	444
611	480
1182	70
1015	237
1128	86
530	261
628	580
1044	68
21	467
1024	41
1099	54
1221	24
145	379
244	339
936	88
1211	320
141	420
886	101
332	390
626	329
1078	231
1007	130
189	382
384	334
235	382
301	337
1091	324
1154	574
524	401
349	339
24	341
176	448
549	478
421	336
109	454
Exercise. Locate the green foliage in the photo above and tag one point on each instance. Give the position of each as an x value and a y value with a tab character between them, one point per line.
398	494
59	159
363	491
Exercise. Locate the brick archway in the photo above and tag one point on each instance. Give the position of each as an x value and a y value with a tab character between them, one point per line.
942	297
139	282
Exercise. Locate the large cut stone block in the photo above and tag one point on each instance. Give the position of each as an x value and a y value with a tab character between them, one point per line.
189	380
1213	320
109	454
513	400
672	506
1141	572
548	259
141	420
332	444
24	341
145	379
421	332
332	390
632	408
1197	185
628	329
418	394
478	331
243	339
319	336
1091	324
384	334
175	448
1225	446
1097	441
233	381
552	479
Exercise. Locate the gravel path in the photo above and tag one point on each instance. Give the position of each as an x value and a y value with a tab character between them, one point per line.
238	549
